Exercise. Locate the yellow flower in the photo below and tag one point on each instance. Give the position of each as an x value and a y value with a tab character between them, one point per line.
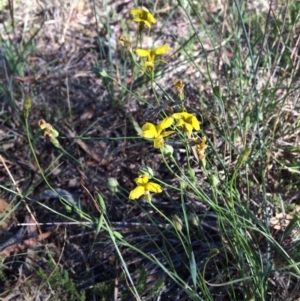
151	131
143	17
123	40
151	54
188	121
179	85
49	129
50	132
200	148
144	187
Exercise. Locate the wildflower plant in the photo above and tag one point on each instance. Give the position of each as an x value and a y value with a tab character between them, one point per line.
166	130
180	143
169	124
176	129
184	126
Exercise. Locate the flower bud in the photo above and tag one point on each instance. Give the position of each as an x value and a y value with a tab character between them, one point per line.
147	171
54	141
243	157
194	219
203	163
117	234
27	106
183	185
27	103
113	185
102	72
183	3
214	181
192	173
167	150
177	222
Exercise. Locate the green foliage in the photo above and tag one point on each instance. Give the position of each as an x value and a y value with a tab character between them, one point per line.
104	290
3	278
61	284
157	287
15	56
142	281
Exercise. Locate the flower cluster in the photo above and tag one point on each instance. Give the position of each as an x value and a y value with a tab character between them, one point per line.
184	121
187	121
144	18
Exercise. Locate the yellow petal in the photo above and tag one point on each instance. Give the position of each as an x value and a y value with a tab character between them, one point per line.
149	130
165	123
147	23
142	52
188	127
42	124
203	144
178	84
137	11
139	20
123	40
167	133
153	187
143	14
158	142
141	180
180	122
148	65
161	49
195	123
136	193
183	115
47	132
150	18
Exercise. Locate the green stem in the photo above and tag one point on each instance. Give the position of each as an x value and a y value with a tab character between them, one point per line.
67	205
